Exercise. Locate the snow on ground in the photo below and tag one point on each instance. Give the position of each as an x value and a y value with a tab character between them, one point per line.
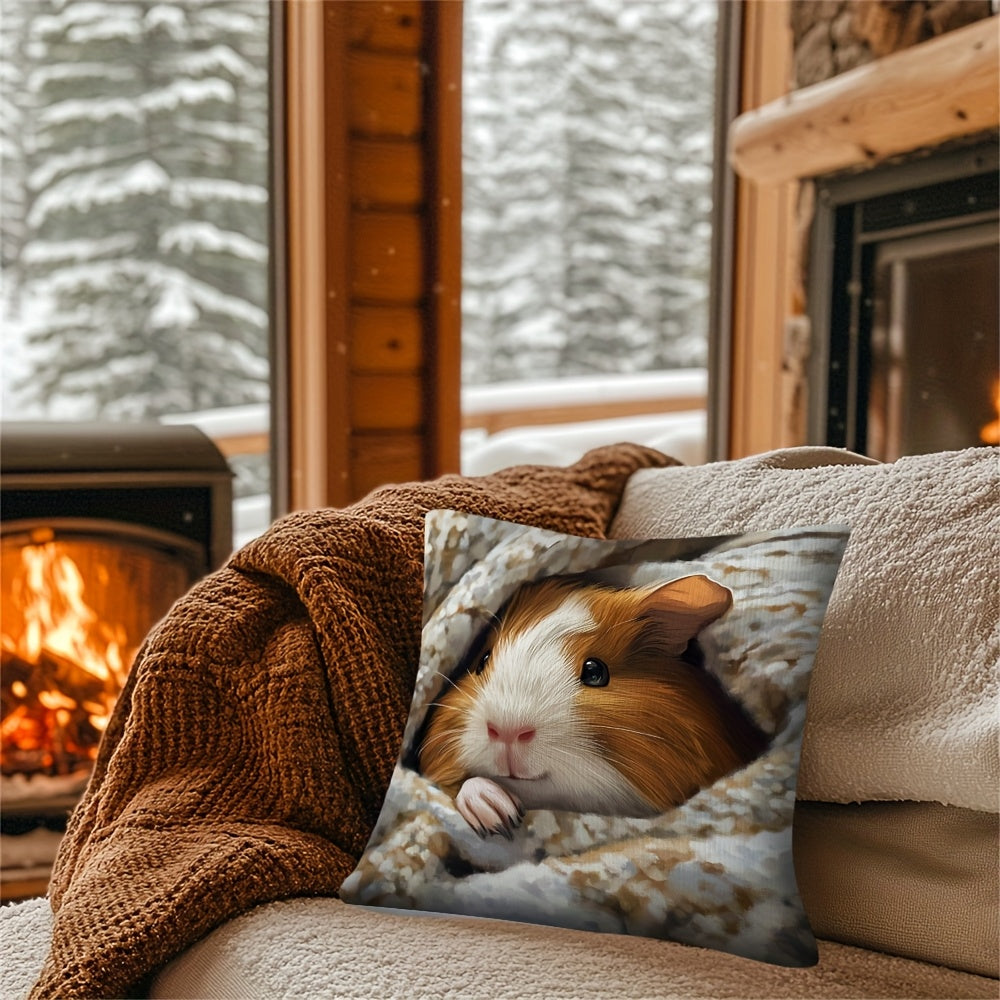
681	435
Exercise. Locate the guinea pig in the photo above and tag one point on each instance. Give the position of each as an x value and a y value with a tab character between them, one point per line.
587	698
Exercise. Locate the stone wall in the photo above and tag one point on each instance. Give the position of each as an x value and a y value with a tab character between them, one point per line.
832	36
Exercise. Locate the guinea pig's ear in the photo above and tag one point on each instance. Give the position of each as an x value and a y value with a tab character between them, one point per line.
682	608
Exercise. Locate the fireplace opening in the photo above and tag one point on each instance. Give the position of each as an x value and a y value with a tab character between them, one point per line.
904	305
76	602
102	528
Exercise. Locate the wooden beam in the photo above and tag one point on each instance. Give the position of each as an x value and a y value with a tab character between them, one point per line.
318	413
527	416
921	96
387	257
384	94
380	457
386	402
243	444
389	27
25	888
386	175
374	234
386	339
764	247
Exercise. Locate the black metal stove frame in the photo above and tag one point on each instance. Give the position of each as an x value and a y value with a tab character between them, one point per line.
932	191
168	482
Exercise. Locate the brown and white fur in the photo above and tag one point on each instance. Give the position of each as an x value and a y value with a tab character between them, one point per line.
582	697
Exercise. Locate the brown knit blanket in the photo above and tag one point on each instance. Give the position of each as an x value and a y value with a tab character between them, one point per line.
250	751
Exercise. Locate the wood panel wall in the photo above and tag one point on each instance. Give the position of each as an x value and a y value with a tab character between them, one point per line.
375	244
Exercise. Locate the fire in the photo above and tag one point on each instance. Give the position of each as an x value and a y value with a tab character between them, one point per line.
990	434
62	670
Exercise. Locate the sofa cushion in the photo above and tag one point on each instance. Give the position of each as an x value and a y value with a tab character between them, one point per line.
25	930
322	948
664	785
903	701
319	947
913	878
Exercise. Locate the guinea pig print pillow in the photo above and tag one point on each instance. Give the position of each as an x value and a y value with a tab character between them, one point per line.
605	735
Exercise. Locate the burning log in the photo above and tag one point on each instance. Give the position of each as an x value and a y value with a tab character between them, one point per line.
60	670
49	712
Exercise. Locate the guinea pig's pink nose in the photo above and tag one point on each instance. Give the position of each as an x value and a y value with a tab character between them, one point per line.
510	734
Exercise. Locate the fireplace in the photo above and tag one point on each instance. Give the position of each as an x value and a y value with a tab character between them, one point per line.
103	527
904	307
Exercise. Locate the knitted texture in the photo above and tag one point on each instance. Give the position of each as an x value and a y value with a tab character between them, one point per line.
250	751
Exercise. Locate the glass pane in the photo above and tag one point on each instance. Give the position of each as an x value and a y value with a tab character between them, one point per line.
935	345
588	137
135	214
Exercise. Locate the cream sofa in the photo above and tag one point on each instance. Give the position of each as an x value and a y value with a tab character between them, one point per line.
896	824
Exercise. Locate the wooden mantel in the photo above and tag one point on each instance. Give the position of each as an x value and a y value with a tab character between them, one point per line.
922	96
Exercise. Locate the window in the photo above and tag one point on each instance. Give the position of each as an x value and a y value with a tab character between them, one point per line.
588	148
135	218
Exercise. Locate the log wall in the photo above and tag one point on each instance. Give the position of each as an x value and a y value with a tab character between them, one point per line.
386	320
374	376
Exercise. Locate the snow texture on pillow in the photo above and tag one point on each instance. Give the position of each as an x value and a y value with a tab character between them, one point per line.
666	813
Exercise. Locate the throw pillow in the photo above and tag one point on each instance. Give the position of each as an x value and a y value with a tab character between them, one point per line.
605	735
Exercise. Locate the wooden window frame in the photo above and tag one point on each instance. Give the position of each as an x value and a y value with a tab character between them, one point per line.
765	254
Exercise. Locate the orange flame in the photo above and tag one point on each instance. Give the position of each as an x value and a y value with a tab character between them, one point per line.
990	434
63	670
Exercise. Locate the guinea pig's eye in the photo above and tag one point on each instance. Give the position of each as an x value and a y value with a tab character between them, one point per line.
480	665
595	673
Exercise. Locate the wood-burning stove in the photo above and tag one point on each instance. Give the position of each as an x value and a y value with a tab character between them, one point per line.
102	528
903	305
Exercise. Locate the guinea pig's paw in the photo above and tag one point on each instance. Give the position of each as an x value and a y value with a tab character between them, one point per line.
488	808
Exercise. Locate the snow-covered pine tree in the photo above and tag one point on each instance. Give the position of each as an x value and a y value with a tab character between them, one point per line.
588	145
639	185
13	150
514	161
147	229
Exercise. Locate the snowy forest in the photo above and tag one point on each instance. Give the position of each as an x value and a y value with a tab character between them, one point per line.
588	137
134	144
135	206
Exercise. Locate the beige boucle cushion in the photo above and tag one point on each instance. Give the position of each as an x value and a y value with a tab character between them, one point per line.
902	704
324	948
912	878
903	697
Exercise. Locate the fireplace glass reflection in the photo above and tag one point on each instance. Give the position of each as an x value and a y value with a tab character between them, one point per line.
934	344
903	304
